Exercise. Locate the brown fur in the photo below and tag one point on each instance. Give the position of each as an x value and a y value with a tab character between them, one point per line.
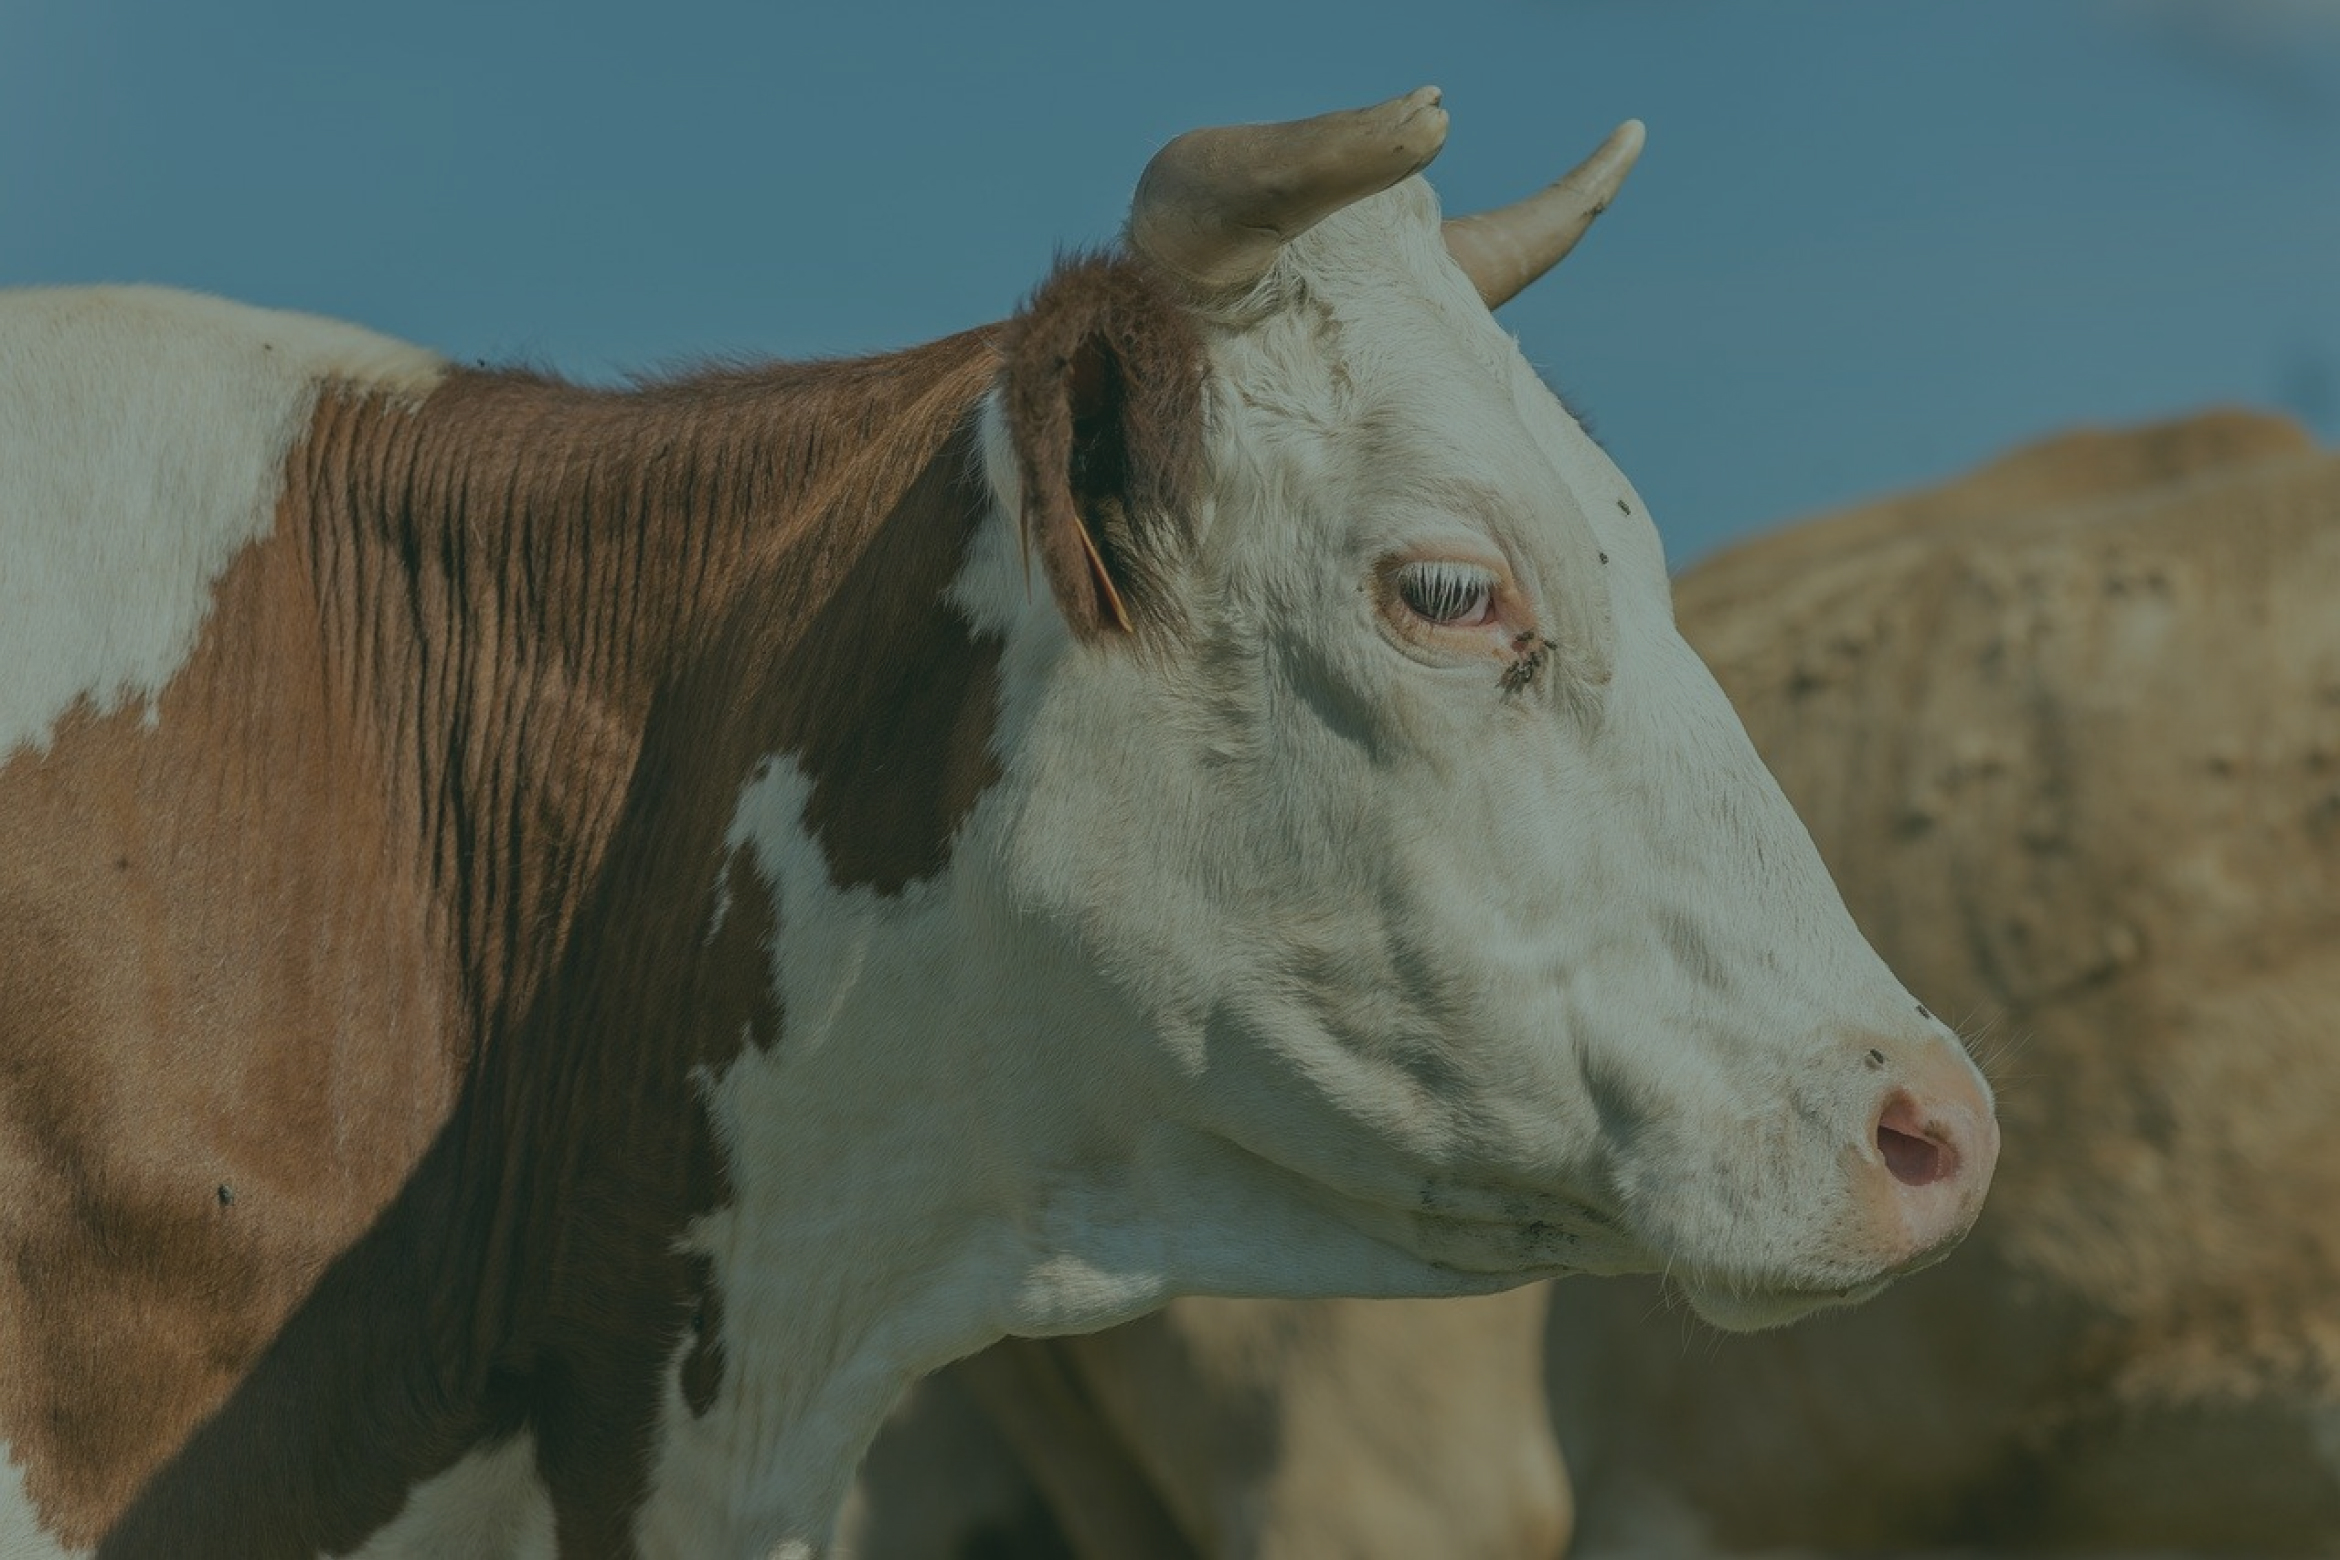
165	903
395	929
1104	401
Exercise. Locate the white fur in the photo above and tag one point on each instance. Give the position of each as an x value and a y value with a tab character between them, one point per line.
142	441
21	1534
489	1506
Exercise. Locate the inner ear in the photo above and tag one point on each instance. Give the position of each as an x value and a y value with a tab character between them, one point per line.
1097	474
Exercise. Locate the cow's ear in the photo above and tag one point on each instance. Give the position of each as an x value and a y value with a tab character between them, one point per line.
1104	405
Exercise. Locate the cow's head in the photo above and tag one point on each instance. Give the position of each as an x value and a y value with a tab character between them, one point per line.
1352	742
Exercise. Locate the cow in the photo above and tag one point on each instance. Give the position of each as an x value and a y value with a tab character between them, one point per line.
561	945
2065	728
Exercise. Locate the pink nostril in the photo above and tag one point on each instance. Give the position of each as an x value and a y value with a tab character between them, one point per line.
1915	1156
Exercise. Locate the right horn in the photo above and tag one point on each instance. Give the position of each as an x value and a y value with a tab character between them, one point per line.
1501	251
1215	205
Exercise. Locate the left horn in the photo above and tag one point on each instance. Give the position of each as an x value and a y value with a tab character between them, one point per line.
1216	205
1501	251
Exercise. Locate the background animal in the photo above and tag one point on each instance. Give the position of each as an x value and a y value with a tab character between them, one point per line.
2069	735
1236	1428
2068	732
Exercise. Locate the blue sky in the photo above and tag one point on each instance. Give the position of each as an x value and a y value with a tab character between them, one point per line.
1870	243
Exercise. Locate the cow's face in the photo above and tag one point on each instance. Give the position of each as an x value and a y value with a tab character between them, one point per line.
1373	775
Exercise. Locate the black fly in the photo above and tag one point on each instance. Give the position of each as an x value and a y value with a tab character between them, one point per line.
1528	650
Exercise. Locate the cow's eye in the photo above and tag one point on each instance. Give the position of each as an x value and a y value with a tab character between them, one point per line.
1441	591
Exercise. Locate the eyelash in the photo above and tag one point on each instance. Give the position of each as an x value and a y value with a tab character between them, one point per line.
1449	594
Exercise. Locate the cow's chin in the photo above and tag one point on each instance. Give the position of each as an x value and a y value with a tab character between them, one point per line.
1754	1309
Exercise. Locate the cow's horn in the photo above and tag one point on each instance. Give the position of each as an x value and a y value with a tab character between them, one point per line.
1505	249
1215	205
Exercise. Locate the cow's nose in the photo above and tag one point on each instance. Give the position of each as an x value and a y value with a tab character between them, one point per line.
1933	1143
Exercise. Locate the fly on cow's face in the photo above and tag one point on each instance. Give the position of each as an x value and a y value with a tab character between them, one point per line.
1528	650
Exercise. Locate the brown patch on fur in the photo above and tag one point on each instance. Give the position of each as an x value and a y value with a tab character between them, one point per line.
197	991
411	948
898	742
1105	408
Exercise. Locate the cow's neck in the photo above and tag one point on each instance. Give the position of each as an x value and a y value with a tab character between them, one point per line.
958	1128
580	624
885	1141
520	576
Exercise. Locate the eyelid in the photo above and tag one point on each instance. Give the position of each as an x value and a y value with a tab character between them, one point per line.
1445	592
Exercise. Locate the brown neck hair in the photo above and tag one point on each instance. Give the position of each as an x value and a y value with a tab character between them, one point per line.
575	622
527	565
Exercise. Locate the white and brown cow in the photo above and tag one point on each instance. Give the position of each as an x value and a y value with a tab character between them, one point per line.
558	946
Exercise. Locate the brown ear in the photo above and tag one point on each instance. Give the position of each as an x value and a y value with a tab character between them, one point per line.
1104	405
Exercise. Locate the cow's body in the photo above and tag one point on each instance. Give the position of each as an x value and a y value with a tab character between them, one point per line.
2069	730
559	946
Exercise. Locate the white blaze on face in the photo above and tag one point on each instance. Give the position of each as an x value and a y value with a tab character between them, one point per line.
1441	863
142	443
